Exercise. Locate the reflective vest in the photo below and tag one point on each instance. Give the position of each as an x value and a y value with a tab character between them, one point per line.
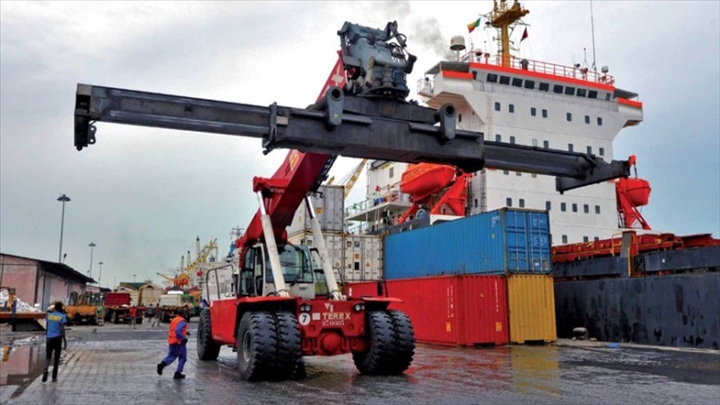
172	338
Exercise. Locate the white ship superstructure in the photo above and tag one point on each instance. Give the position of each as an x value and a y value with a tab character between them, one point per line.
530	103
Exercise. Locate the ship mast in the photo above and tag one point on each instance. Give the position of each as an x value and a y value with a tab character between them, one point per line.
501	18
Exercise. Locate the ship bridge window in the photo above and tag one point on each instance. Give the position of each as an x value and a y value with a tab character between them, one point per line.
529	84
564	239
544	113
533	111
563	207
558	89
511	108
592	94
601	151
497	106
599	121
509	202
498	138
587	119
574	207
512	139
517	82
492	78
546	144
548	205
586	239
589	150
568	116
586	208
597	209
544	87
521	203
569	91
570	147
581	92
504	79
607	96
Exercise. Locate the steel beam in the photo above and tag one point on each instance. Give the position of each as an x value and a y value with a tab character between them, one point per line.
340	125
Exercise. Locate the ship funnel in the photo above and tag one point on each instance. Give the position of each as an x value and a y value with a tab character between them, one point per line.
457	43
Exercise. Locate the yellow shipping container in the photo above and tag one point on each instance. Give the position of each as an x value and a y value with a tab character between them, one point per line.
531	308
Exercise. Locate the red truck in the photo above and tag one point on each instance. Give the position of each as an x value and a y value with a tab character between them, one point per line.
117	308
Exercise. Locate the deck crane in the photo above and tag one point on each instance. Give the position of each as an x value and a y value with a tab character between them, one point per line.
267	309
351	178
209	252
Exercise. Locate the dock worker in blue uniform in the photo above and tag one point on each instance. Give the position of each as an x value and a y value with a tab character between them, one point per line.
55	340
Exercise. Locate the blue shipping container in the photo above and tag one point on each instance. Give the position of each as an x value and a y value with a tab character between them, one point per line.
505	241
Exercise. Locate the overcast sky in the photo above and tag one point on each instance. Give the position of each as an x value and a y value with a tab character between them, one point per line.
142	195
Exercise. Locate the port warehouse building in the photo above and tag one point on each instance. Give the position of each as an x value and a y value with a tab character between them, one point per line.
40	281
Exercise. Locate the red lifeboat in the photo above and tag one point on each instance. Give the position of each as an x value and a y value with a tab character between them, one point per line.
422	179
636	190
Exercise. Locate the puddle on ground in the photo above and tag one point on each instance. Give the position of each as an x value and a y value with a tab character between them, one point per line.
20	366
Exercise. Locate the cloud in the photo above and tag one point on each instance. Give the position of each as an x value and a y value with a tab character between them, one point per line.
144	194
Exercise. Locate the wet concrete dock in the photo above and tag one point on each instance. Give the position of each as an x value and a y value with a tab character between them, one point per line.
116	365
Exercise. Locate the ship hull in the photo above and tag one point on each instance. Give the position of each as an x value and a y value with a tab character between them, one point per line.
672	310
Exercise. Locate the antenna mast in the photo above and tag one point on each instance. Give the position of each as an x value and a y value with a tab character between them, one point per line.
501	18
592	27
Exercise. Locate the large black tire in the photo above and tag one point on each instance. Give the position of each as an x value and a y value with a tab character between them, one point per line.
257	346
207	348
289	346
404	342
377	357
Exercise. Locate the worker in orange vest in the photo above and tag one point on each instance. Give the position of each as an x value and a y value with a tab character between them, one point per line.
133	315
177	341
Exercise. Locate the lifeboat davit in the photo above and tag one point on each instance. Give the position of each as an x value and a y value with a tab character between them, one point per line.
422	179
636	190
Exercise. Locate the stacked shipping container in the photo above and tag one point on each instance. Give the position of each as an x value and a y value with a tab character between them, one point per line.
450	310
497	242
355	257
448	276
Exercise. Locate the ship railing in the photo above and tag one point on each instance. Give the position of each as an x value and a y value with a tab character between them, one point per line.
369	203
425	87
579	72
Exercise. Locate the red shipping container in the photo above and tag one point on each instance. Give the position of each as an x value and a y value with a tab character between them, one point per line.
360	289
465	310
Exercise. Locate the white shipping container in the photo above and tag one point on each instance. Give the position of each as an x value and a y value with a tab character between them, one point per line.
329	210
363	257
333	241
356	257
171	300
